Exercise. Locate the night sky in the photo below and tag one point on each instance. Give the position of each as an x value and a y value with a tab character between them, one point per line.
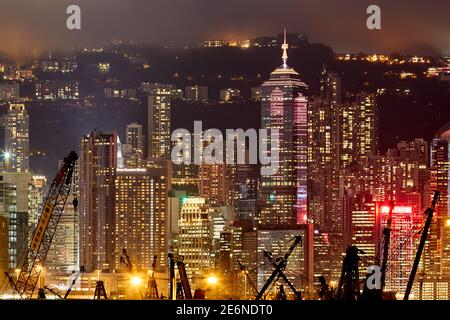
408	26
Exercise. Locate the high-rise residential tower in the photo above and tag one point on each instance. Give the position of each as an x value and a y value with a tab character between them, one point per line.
17	138
97	163
159	103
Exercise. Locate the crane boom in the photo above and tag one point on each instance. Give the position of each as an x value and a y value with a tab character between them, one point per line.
51	212
429	212
281	264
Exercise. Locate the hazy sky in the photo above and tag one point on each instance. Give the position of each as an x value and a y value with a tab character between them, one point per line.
408	26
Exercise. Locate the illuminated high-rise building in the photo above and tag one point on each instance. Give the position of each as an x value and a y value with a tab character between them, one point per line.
363	219
17	138
195	238
141	216
159	103
405	225
283	195
15	206
436	282
98	160
135	140
212	183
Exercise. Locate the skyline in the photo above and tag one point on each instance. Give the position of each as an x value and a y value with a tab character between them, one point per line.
24	31
356	143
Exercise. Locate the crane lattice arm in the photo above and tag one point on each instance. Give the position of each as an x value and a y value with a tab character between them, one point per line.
51	212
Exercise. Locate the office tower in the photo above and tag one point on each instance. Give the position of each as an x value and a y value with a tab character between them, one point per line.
435	283
98	161
64	253
440	169
196	94
331	87
4	242
135	140
358	129
363	221
245	191
323	174
220	218
212	183
17	138
159	104
14	206
175	203
283	195
141	216
405	225
238	242
195	234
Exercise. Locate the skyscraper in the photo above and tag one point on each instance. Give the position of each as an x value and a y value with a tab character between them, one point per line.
141	216
98	162
195	237
284	107
17	138
135	140
436	282
159	103
212	183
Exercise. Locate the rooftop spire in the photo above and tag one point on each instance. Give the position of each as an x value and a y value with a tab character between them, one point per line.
284	46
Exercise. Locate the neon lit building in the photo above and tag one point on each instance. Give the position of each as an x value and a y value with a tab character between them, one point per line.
284	107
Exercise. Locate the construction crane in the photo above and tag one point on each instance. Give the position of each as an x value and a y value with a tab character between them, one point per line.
429	217
125	260
75	278
243	269
325	292
152	289
279	267
349	282
51	212
297	294
180	290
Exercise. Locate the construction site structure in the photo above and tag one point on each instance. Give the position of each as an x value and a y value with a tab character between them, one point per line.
152	289
429	217
52	209
181	289
100	291
349	287
279	265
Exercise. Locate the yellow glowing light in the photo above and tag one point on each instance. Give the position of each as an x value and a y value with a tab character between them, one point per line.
212	280
136	281
447	223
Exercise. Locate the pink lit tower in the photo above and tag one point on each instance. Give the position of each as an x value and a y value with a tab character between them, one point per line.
283	196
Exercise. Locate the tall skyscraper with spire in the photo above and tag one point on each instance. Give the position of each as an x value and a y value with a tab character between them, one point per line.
284	107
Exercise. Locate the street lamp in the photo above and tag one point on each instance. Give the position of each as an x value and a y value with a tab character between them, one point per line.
212	280
136	281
